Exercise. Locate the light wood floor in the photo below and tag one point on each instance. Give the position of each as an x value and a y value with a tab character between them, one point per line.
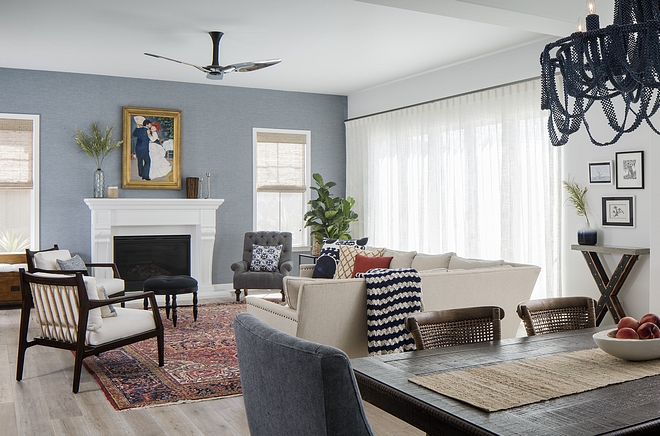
43	404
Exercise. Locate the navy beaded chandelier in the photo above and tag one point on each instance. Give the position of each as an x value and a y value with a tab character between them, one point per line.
616	68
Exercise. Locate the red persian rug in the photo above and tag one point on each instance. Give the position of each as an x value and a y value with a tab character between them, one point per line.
200	362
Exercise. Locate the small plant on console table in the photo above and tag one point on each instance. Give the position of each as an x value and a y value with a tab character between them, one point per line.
329	216
576	197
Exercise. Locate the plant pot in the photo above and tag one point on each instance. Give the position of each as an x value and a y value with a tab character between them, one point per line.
316	248
587	236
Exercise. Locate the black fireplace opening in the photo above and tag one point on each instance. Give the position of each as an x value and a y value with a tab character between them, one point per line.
141	257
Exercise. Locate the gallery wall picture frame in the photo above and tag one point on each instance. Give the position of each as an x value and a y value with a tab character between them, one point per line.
619	211
600	173
151	157
630	170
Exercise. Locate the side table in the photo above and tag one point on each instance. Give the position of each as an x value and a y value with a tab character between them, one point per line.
609	287
307	256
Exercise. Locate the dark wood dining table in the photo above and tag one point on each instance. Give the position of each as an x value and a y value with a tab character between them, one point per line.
629	408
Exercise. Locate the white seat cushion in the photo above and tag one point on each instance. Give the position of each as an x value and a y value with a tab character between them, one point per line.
127	322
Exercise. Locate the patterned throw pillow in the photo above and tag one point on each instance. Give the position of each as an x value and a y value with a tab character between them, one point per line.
326	264
106	311
74	264
346	262
265	258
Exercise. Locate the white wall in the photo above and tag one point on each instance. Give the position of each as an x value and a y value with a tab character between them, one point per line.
523	63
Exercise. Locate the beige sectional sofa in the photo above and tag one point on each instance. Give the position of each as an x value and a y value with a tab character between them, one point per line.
334	312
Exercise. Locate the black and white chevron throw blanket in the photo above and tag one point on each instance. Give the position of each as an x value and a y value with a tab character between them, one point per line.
392	295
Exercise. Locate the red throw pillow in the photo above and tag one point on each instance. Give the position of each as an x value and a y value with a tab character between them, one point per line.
365	263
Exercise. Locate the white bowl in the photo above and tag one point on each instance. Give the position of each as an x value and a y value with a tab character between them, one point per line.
627	349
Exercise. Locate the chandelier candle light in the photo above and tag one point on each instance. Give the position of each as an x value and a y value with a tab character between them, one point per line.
616	67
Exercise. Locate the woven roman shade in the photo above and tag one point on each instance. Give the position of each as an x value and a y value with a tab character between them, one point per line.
280	161
15	153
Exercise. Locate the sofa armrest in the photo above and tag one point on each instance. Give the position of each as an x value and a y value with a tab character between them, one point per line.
286	267
307	269
282	318
240	267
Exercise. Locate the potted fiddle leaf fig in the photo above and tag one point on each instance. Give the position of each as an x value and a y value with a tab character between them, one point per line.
329	216
576	197
98	146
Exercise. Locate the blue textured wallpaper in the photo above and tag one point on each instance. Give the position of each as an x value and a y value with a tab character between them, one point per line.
216	137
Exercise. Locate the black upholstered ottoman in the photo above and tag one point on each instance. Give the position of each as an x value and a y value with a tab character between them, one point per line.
172	286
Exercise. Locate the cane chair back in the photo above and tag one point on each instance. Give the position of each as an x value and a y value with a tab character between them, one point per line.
446	328
552	315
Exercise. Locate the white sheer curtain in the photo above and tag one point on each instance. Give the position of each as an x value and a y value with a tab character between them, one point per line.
474	174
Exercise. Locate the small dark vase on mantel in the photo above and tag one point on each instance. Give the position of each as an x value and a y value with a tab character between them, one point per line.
587	235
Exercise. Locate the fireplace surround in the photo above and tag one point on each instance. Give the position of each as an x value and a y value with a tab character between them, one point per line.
112	217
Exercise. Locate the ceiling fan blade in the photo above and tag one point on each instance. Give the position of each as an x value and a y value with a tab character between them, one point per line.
202	69
244	67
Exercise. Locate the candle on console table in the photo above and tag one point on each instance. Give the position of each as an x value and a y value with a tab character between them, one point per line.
113	192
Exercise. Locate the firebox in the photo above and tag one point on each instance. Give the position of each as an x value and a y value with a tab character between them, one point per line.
141	257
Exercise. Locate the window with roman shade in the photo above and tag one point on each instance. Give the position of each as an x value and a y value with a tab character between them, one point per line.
281	180
19	184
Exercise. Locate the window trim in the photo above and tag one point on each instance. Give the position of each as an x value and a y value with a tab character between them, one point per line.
36	186
308	174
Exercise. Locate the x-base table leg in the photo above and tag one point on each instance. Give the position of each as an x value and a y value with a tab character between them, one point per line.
609	288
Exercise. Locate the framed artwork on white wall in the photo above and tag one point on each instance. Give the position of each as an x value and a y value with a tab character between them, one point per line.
600	173
630	170
619	211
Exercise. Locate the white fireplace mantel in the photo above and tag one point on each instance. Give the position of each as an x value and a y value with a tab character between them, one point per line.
157	216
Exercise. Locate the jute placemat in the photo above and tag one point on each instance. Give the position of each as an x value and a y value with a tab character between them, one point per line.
512	384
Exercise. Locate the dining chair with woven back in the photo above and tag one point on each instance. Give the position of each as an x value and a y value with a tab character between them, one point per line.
552	315
446	328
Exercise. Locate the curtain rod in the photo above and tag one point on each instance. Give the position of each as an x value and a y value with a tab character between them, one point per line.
442	98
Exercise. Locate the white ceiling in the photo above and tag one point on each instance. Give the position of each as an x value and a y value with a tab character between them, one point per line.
326	46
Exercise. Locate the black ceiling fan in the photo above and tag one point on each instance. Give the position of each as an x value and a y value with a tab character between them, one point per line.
216	71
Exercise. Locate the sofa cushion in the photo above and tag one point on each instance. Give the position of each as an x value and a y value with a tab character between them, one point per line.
326	263
346	261
74	264
48	259
423	262
365	263
265	258
400	259
458	262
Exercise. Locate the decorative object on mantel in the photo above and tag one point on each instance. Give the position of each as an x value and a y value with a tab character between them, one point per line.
208	185
576	194
113	192
192	187
97	146
328	217
152	148
612	67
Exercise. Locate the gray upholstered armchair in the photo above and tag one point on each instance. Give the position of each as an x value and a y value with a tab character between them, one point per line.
296	387
246	278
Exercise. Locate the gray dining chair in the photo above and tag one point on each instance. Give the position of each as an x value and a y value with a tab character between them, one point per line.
245	278
446	328
552	315
293	387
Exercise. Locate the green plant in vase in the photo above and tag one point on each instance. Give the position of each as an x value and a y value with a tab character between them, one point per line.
576	197
329	216
98	146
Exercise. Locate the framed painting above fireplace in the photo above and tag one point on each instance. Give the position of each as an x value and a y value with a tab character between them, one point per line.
151	158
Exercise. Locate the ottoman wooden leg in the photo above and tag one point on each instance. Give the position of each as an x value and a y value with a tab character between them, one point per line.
174	310
195	305
167	305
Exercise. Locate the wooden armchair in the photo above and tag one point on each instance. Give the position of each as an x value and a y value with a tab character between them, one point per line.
551	315
68	310
47	261
445	328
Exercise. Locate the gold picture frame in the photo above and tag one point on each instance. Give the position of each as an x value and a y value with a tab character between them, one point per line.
151	158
